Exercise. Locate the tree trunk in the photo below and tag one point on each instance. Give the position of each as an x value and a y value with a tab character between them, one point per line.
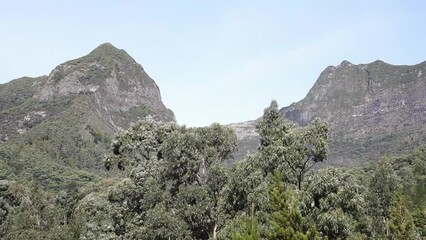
215	231
299	182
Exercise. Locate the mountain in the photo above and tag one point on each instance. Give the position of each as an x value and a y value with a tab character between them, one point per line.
64	121
373	110
113	88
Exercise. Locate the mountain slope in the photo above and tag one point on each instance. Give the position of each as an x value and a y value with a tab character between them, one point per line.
373	109
66	119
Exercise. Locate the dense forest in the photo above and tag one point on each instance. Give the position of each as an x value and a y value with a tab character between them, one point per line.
166	181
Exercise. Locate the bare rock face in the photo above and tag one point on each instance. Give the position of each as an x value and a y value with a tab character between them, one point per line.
247	139
112	80
373	110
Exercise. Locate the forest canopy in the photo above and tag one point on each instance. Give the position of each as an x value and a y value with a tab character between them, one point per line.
176	185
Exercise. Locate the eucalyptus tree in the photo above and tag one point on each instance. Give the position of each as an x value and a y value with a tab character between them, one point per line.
286	148
178	179
334	201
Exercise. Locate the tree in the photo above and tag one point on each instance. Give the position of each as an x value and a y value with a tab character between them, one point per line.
140	143
401	225
419	218
32	214
274	133
382	188
178	176
246	186
284	147
286	222
249	228
334	201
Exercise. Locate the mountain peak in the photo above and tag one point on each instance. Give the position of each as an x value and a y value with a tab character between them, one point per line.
105	49
377	62
106	53
106	45
109	77
346	62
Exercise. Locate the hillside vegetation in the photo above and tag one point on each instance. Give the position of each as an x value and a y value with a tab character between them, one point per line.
177	187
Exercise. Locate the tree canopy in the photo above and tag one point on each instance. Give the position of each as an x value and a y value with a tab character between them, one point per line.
174	184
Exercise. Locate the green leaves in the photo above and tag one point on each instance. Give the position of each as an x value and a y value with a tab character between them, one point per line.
334	201
382	188
288	149
249	228
179	179
141	142
286	221
179	188
401	225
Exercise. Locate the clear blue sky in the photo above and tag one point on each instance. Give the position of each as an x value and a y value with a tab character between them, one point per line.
215	61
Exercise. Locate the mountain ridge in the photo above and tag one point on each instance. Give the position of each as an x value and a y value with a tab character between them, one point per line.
373	109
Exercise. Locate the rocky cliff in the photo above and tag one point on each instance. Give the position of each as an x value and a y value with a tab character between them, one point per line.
373	109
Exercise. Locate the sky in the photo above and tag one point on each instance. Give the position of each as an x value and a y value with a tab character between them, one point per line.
215	61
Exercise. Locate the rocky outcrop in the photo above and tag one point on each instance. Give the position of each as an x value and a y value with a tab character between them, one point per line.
114	81
247	139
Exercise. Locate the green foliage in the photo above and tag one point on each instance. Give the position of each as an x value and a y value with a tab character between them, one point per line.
334	201
401	225
382	188
18	91
284	147
286	221
137	112
59	159
176	185
28	114
32	214
57	154
176	179
419	219
98	137
411	173
249	228
107	56
246	186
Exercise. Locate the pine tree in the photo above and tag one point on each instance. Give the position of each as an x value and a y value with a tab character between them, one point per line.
286	222
249	228
401	223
